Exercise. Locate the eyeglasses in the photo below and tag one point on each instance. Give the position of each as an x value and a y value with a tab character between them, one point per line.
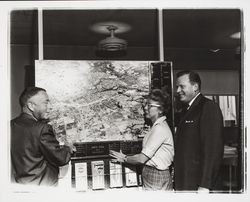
151	105
154	105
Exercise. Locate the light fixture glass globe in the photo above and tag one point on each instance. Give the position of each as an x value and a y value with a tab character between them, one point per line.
112	43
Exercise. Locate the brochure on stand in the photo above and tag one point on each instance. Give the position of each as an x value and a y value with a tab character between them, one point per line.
81	178
115	171
97	174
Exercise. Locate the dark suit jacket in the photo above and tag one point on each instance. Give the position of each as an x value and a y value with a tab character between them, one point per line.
199	146
35	153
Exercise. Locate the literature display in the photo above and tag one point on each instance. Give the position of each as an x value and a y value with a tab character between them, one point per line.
131	177
115	171
81	180
97	168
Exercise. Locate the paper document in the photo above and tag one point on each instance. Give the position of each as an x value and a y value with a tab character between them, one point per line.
131	177
81	177
115	171
98	174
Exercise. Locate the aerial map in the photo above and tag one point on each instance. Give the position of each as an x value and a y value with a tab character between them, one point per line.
95	100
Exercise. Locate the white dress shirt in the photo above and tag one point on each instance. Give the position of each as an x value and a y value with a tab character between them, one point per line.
191	102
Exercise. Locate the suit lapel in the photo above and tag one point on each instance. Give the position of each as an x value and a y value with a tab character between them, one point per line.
191	109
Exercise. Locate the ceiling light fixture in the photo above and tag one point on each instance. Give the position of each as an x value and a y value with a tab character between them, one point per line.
111	46
214	50
112	43
235	35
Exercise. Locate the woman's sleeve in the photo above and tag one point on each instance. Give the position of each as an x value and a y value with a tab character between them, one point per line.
157	137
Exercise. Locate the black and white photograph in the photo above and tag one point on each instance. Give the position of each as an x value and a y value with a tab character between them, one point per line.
124	100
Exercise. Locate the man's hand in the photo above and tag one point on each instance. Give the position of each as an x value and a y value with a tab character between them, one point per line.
72	149
119	156
71	146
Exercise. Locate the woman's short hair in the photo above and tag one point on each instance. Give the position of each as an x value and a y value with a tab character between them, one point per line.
28	93
162	98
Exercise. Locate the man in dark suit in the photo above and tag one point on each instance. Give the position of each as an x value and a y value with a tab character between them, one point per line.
35	153
199	141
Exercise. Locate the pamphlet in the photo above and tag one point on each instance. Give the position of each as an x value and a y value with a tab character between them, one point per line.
81	178
131	177
115	174
98	174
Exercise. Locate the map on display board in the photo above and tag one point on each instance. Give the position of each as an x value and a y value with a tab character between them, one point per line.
95	100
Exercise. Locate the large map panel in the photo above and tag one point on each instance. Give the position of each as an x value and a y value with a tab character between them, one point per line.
95	100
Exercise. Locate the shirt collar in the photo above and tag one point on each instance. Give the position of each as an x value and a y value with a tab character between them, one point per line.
29	115
160	120
191	102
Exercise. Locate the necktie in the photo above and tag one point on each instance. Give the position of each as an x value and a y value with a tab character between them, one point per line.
185	109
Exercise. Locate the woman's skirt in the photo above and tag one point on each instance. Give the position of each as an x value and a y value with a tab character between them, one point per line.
154	179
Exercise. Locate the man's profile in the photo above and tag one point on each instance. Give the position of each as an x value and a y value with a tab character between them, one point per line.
35	153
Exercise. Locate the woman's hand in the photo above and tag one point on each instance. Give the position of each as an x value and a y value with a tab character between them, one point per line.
119	156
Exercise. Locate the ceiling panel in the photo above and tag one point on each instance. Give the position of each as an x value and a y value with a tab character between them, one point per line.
201	28
185	28
23	27
73	27
193	38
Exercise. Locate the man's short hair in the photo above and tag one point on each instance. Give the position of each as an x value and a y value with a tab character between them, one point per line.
28	93
193	77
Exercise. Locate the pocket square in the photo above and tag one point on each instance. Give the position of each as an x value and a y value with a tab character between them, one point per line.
189	121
